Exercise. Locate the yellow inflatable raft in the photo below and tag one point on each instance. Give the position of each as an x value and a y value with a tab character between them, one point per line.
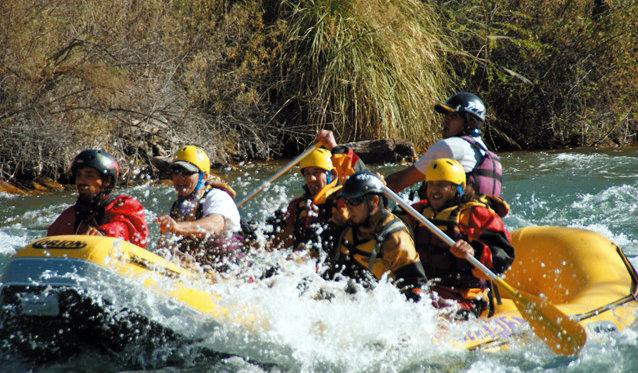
581	272
584	274
58	293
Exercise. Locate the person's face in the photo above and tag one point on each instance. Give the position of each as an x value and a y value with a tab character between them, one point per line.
89	183
315	178
453	124
184	181
439	193
360	208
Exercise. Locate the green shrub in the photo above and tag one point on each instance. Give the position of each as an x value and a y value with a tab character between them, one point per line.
553	73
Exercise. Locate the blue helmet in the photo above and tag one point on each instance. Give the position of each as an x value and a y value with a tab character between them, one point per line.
463	103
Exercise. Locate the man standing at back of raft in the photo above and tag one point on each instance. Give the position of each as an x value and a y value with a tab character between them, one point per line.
464	117
313	221
95	212
204	217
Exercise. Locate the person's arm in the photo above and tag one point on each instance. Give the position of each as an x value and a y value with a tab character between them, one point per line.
491	242
402	259
326	139
214	224
64	224
416	173
284	238
403	179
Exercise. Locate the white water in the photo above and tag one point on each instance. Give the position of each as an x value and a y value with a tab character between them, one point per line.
366	331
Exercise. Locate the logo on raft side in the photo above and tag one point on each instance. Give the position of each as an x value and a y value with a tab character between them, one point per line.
496	327
58	244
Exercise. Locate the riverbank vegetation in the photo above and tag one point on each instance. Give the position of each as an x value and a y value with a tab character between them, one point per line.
255	79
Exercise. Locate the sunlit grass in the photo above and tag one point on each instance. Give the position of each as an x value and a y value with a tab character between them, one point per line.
367	69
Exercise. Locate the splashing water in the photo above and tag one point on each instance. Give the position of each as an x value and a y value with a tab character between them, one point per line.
316	325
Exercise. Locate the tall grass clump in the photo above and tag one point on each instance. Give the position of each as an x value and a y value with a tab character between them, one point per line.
365	68
553	73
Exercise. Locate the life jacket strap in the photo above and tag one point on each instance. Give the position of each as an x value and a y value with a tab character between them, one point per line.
395	225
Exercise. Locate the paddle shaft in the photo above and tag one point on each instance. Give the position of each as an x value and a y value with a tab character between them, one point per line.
439	233
560	333
277	175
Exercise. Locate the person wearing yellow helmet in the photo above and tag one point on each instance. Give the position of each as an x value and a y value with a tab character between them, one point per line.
312	220
204	217
477	229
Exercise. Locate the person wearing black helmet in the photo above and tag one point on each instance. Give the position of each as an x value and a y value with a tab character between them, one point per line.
376	241
464	117
95	212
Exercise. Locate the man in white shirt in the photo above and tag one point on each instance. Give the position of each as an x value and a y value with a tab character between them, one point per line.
464	116
204	215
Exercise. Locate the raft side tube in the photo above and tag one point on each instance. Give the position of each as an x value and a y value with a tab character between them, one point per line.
579	269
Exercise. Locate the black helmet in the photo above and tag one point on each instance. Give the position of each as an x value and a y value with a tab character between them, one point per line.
99	160
361	184
464	102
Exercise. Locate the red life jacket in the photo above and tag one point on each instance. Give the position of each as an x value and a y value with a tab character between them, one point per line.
122	217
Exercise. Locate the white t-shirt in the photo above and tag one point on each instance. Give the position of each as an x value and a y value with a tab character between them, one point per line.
455	148
219	202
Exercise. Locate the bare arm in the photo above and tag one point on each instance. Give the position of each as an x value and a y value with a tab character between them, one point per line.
326	138
213	224
404	179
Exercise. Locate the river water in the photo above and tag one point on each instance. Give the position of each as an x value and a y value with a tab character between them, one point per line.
371	331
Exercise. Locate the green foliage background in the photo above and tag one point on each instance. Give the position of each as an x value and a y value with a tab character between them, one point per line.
256	79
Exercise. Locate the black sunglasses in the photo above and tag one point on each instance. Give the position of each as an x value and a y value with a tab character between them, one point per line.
178	170
356	201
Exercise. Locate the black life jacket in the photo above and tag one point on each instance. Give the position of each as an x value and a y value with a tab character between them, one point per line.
91	213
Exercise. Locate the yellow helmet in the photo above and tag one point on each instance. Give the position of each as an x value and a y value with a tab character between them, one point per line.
192	158
319	157
446	169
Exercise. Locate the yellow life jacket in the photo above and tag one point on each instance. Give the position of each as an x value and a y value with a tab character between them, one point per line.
343	167
366	253
342	164
328	190
497	204
215	182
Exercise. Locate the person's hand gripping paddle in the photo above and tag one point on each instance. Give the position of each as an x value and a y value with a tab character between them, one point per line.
560	333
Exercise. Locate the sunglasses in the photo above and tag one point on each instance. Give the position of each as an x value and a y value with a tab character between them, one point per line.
355	201
181	171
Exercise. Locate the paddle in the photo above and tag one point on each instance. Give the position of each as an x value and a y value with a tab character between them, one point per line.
277	174
561	334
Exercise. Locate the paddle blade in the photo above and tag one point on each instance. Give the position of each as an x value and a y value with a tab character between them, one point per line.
561	334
